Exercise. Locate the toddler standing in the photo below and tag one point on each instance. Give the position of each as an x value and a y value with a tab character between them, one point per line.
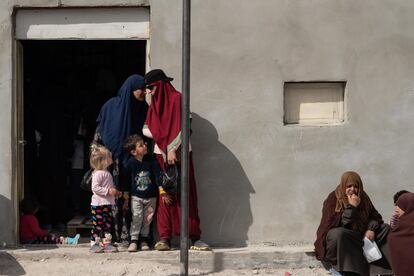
103	198
143	172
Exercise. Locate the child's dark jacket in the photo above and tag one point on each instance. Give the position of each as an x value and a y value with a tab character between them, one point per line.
143	178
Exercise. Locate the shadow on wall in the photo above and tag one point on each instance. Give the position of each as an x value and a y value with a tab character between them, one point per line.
223	188
6	221
10	266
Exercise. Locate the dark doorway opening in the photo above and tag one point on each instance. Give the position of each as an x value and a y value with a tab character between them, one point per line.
65	85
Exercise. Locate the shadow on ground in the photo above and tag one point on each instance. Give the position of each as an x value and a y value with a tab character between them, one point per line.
9	265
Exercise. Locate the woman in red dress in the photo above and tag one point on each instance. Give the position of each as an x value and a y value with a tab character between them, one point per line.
163	125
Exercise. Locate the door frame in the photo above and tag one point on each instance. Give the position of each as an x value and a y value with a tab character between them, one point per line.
17	126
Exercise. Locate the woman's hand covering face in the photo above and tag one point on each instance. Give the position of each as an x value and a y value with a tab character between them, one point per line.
353	199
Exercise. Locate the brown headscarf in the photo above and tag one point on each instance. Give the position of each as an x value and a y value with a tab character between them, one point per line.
365	205
401	238
335	204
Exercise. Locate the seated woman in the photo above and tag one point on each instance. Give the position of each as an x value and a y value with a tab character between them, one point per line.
347	217
401	238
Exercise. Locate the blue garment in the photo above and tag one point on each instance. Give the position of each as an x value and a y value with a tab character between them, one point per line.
122	116
143	177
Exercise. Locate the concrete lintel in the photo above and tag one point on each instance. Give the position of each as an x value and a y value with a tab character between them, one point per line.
78	4
86	23
106	3
38	3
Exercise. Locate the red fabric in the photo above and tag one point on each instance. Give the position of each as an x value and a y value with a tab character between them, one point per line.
29	229
401	238
168	216
164	114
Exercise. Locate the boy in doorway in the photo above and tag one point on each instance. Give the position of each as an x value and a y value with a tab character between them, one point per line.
144	173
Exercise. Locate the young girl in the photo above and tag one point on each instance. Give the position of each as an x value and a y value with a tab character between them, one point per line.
31	233
103	198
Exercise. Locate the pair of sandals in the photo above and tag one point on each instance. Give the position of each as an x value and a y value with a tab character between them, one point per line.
164	245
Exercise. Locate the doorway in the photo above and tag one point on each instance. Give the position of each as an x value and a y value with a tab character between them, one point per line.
65	83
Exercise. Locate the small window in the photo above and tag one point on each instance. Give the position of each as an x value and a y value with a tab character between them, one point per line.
314	103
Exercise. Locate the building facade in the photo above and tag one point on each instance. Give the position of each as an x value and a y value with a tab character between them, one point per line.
262	172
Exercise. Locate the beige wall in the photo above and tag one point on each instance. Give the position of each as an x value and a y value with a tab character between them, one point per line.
258	180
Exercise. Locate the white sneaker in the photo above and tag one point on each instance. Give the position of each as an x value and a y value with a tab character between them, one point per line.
144	246
133	247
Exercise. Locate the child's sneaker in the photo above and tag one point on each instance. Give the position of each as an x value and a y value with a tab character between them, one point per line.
109	248
123	244
96	248
162	245
144	246
133	247
200	246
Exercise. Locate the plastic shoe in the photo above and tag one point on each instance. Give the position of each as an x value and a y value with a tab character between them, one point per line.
73	240
133	247
334	272
200	246
109	248
162	245
144	246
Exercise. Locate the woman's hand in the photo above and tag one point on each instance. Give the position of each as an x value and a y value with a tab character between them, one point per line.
166	199
113	192
354	200
370	235
125	206
171	157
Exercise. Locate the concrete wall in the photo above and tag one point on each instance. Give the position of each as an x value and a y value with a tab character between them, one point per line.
258	180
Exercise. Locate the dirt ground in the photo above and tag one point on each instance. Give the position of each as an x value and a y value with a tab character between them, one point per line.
79	261
107	266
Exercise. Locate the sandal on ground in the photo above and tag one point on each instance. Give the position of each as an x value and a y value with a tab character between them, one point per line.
200	246
162	245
